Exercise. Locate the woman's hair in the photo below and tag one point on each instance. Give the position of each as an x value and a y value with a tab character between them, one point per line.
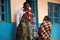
25	3
46	18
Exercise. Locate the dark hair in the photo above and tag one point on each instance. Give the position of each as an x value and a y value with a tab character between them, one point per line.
47	18
25	3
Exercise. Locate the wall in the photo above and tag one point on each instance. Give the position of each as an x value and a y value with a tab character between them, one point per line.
7	31
43	8
15	6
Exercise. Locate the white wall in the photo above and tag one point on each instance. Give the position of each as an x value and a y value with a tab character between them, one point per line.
15	6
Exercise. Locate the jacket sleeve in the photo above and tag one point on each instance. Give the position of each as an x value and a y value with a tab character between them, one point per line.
19	16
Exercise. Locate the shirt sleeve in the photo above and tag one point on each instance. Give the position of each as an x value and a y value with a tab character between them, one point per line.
17	19
19	16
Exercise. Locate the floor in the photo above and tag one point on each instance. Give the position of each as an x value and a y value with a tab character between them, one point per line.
55	39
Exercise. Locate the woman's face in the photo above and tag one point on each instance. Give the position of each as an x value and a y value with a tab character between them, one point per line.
27	6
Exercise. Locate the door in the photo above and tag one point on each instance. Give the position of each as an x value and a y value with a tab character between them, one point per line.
33	4
54	14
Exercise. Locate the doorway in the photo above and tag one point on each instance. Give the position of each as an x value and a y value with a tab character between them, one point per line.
33	4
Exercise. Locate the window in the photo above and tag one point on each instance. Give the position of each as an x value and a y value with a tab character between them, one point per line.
5	13
53	12
50	12
1	10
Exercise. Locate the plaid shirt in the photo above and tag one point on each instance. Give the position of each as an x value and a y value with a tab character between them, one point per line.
45	31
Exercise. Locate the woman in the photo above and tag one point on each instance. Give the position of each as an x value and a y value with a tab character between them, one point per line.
45	29
24	29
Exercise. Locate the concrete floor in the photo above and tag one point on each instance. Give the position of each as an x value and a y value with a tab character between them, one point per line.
55	39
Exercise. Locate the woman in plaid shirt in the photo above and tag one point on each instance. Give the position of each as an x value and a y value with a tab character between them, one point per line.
45	29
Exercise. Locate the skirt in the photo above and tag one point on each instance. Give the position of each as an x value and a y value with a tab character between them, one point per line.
24	29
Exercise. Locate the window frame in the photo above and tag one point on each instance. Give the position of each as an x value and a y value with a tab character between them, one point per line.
52	11
7	11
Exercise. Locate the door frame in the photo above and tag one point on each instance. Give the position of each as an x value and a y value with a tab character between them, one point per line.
7	12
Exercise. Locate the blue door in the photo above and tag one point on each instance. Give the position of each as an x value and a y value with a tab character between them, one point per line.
33	4
54	14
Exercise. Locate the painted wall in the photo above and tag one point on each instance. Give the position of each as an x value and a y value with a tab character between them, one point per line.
7	31
15	6
43	8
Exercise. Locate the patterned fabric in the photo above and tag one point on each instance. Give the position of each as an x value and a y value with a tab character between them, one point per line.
19	16
24	30
29	11
45	31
